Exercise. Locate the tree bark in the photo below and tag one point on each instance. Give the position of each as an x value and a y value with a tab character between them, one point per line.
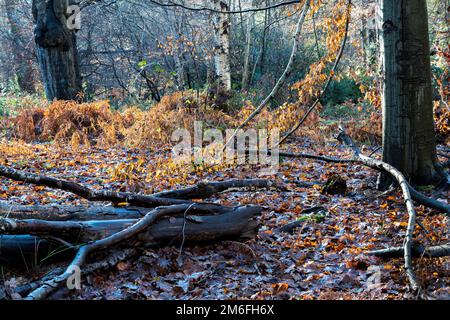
248	43
408	126
56	50
222	46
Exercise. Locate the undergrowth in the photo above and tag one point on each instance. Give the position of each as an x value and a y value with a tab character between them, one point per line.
96	123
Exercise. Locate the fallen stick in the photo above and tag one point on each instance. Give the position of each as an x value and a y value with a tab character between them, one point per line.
87	193
400	178
311	156
86	231
290	227
201	191
205	190
66	213
111	260
417	251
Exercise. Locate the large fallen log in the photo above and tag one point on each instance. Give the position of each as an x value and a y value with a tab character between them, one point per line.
132	232
84	213
66	213
37	239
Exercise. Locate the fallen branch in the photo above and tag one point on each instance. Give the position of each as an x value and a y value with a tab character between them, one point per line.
417	251
236	223
67	213
130	232
314	157
307	215
87	193
400	178
110	261
205	190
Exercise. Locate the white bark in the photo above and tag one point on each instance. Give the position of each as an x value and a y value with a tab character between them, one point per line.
222	45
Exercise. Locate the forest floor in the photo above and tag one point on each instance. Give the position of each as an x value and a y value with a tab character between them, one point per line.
325	259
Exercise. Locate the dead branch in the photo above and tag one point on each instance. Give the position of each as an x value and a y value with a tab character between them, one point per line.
66	213
85	250
236	223
85	192
111	260
417	251
400	178
205	190
311	156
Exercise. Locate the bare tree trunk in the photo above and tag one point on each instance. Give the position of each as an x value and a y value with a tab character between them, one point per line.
264	39
56	50
248	39
408	128
22	65
181	70
222	47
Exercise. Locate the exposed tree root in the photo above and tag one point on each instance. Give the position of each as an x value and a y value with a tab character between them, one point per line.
429	202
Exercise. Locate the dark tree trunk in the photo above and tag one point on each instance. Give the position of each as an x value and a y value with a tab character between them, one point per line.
408	125
56	50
